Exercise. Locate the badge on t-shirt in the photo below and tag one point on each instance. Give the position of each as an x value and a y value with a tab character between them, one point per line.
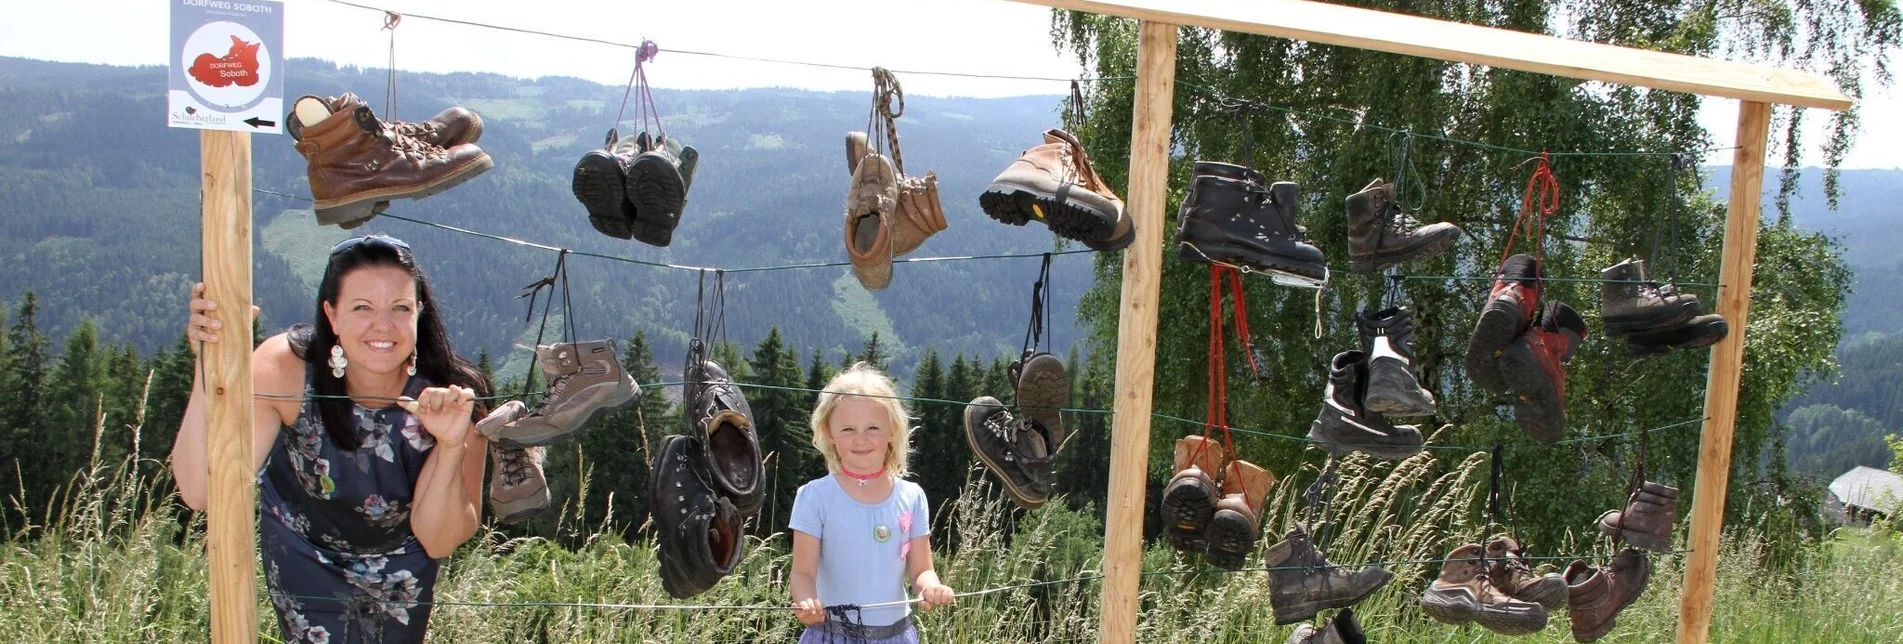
882	533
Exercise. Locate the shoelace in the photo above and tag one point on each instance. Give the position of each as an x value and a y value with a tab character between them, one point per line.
417	130
516	466
1399	221
557	388
409	147
1006	427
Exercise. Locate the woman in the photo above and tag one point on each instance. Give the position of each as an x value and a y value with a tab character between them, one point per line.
371	476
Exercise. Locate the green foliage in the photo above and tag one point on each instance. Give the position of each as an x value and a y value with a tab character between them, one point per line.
1827	440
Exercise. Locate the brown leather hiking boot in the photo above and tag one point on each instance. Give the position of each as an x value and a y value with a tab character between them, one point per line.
1043	389
1017	448
1053	183
1235	526
353	161
920	214
1381	235
1647	520
518	488
449	128
1509	572
585	380
1464	594
1190	498
1302	582
1595	596
871	204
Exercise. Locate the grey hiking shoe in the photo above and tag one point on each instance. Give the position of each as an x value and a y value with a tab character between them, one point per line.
1016	448
518	488
1302	582
585	380
658	180
1343	629
1381	235
1344	425
1464	594
1392	389
600	184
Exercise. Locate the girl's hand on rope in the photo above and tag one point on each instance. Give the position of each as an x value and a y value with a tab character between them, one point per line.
203	326
809	611
443	411
936	595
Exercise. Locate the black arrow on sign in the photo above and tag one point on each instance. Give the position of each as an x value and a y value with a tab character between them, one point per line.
258	122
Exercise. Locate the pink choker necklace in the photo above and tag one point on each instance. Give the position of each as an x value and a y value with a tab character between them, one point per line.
863	479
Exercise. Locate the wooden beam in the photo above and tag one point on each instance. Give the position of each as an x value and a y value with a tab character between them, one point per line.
231	516
1727	364
1397	33
1136	333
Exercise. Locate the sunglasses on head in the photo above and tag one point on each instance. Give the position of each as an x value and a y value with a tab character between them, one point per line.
379	240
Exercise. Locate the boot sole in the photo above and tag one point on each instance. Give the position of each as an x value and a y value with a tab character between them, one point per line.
1497	327
1231	537
599	186
1187	512
351	209
1283	271
1379	261
1041	393
1539	409
1461	611
1393	391
504	438
522	509
659	196
1380	451
1024	498
1306	610
1017	206
1659	319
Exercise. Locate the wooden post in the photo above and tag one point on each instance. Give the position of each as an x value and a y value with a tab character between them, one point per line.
1727	363
1136	332
231	516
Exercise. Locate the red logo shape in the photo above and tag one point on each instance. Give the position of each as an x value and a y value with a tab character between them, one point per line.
239	66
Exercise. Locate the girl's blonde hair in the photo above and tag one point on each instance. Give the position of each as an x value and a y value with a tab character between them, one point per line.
865	380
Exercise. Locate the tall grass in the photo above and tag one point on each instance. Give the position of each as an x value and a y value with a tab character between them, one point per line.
117	561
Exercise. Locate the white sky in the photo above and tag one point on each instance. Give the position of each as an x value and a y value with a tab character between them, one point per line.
979	36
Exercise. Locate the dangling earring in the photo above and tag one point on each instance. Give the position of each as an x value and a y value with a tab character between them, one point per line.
412	367
337	361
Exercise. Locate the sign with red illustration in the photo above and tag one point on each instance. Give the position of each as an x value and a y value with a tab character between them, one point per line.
227	70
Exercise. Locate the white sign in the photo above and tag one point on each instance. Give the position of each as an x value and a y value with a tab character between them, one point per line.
227	65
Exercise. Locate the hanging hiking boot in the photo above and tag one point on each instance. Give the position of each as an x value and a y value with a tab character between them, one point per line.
1189	501
585	380
1016	448
1344	426
518	488
658	180
1381	235
1595	596
1463	594
356	161
1302	582
601	184
1509	572
1647	519
870	206
1628	304
449	128
722	421
1535	367
1053	183
919	214
1236	221
1236	525
1696	333
1510	308
1388	336
698	534
1343	629
1043	389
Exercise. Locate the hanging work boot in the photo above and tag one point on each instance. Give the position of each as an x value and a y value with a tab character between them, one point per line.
658	180
1463	594
1054	183
356	161
1302	582
1381	235
1509	572
1696	333
1236	524
1016	448
1595	596
1043	389
871	204
1243	222
1535	367
1343	629
449	128
698	534
1628	304
585	380
1388	336
1344	425
720	418
518	488
919	214
1647	519
601	184
1509	310
1189	500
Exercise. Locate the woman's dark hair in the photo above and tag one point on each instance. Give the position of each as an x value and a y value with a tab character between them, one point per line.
436	362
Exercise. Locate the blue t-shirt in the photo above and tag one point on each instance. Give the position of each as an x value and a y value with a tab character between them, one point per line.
862	546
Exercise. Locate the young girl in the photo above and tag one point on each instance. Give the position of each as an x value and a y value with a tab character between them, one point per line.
862	532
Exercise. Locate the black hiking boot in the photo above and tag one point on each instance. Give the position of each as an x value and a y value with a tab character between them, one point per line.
1302	582
1345	426
658	180
1629	304
1017	448
697	533
1388	337
1243	222
720	417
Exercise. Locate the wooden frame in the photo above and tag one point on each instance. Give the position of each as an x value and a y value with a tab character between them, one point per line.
1756	87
